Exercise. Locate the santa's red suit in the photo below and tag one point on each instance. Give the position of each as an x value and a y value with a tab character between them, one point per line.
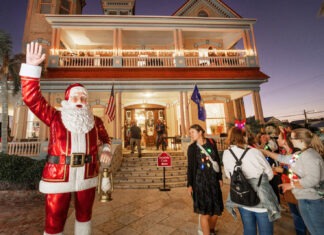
60	176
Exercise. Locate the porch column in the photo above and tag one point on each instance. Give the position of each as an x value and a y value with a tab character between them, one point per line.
257	106
180	41
258	99
182	124
235	109
56	35
239	111
118	119
119	41
20	122
115	42
242	107
175	39
187	120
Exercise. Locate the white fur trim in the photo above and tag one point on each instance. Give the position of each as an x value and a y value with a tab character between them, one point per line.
78	142
82	228
31	71
45	233
77	89
76	183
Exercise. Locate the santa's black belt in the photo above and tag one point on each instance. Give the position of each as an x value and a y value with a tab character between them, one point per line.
75	160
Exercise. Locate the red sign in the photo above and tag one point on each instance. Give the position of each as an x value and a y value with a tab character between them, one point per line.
164	159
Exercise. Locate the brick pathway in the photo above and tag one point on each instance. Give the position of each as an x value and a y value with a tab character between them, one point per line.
131	212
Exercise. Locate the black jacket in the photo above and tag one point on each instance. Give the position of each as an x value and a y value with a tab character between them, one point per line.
192	162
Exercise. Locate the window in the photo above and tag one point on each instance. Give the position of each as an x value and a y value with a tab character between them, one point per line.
202	13
123	12
215	118
65	7
112	12
45	6
33	126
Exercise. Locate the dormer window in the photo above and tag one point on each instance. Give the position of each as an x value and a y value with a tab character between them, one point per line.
202	13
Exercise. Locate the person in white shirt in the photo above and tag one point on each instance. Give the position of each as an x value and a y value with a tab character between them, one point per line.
253	166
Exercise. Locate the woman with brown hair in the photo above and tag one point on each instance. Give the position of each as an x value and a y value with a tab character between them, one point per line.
307	177
287	148
260	217
204	183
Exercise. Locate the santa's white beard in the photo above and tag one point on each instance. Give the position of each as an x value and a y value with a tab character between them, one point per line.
76	120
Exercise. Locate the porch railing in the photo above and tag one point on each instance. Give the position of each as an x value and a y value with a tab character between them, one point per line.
28	149
151	58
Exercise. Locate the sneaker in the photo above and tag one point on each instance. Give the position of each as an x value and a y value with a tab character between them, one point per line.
140	155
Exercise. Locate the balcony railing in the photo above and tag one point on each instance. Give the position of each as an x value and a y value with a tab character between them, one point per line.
152	58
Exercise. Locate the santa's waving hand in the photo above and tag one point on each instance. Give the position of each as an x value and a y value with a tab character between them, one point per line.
72	163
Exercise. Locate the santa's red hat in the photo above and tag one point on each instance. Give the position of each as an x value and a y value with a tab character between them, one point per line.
72	89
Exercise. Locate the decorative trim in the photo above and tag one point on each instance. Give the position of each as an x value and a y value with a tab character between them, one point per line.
31	71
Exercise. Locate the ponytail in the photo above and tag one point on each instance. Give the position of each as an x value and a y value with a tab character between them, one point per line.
317	144
310	139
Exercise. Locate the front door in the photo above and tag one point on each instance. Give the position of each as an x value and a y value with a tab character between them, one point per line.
146	119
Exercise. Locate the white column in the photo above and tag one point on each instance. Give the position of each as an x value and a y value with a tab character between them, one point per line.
20	122
115	42
258	99
118	115
255	106
183	133
186	112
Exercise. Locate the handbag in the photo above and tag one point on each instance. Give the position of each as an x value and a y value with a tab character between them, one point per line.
214	163
290	198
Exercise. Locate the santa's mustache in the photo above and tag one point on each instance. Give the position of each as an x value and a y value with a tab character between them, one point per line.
71	105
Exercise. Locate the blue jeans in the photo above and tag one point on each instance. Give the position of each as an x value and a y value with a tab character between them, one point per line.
300	226
312	213
251	219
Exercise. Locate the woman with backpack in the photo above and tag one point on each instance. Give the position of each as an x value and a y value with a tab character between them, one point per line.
257	172
204	183
307	177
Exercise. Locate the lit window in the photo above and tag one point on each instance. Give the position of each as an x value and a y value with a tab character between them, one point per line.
215	118
33	126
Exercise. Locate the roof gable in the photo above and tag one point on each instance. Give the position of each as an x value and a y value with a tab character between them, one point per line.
212	8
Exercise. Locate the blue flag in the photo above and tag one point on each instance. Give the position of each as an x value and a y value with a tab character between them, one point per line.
195	97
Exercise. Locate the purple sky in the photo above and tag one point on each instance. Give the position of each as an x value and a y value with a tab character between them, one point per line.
289	38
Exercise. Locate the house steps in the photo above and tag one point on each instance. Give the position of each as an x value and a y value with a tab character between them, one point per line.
143	173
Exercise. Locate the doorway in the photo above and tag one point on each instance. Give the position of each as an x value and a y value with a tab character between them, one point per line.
146	118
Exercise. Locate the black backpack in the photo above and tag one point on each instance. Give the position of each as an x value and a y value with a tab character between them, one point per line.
241	192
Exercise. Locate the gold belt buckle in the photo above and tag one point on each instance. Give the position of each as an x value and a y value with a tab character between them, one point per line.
77	159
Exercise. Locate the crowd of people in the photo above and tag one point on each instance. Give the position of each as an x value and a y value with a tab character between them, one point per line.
288	165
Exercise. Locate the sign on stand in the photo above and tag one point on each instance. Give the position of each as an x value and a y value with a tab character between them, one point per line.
164	160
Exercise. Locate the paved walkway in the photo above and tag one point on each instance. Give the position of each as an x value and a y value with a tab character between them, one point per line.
131	212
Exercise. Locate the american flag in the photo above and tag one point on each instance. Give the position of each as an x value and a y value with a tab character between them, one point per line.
111	107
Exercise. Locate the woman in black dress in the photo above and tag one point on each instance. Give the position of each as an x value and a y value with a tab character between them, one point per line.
204	184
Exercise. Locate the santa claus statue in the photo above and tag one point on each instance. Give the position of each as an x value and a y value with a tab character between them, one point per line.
72	162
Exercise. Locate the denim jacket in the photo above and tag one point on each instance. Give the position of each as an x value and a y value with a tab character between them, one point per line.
268	199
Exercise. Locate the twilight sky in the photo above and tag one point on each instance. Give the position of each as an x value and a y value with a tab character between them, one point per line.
289	39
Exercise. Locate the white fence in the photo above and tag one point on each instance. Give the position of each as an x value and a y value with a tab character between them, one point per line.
28	149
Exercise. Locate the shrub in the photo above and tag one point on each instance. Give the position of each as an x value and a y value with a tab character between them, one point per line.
18	172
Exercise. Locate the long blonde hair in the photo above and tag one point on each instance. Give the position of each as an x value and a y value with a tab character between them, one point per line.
310	139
